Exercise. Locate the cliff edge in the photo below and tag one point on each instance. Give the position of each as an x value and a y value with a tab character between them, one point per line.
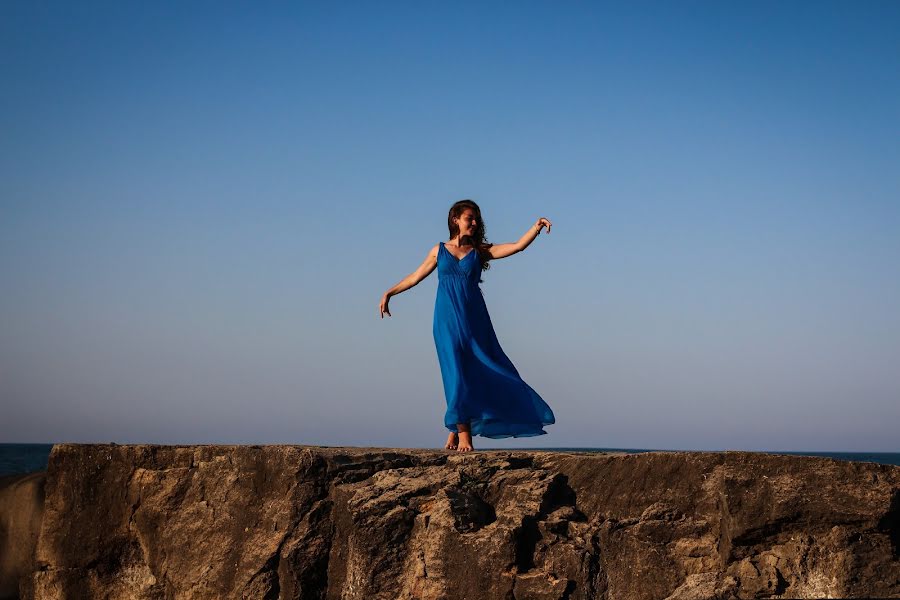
153	522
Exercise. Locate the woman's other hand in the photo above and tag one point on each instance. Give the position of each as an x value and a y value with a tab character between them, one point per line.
541	223
383	308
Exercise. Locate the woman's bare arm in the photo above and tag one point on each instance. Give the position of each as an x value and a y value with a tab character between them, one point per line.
504	250
424	270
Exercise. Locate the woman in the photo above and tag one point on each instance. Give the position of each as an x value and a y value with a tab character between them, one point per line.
485	395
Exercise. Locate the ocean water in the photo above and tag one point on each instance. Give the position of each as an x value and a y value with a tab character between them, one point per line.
23	458
26	458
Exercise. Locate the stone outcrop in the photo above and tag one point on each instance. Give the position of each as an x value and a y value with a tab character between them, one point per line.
353	523
21	505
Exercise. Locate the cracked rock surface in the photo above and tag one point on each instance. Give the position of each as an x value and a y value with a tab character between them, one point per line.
154	522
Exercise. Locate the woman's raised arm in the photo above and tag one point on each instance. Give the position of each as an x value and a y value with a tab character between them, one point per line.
504	250
424	270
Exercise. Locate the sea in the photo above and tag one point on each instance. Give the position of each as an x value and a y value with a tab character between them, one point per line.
27	458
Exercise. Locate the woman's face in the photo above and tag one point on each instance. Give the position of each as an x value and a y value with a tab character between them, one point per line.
466	222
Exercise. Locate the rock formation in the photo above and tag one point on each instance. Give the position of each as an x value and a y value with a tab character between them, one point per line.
21	503
153	522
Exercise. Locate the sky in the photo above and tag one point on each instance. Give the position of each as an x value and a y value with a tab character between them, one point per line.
201	205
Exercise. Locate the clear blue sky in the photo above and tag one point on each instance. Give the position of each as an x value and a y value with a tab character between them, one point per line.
200	207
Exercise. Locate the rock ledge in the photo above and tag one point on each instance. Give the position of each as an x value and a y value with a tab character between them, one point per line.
153	522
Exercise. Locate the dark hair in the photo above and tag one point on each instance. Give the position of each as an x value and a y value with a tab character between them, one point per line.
479	240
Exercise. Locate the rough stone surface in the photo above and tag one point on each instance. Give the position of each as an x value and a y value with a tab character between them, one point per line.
21	502
153	522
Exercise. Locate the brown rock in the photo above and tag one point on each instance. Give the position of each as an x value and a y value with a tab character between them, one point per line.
21	504
352	523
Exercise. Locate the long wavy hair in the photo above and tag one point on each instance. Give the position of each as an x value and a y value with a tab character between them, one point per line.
479	239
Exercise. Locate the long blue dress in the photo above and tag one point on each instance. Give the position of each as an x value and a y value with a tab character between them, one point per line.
481	385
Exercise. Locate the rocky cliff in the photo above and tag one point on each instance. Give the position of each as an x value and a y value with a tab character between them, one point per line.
347	523
21	504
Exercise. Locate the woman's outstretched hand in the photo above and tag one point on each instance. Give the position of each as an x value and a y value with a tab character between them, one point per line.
541	223
383	308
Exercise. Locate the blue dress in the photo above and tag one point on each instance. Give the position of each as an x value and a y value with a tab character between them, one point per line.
481	385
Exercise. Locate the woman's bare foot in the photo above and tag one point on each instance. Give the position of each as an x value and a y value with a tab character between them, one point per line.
452	441
465	442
